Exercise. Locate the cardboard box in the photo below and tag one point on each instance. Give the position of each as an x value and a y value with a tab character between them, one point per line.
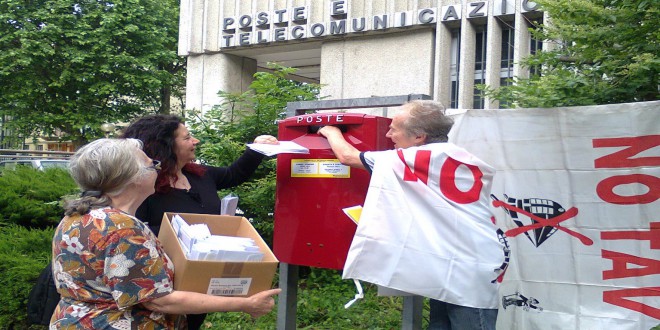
217	277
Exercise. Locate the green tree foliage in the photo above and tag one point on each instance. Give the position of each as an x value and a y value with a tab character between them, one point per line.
606	51
67	66
225	129
32	198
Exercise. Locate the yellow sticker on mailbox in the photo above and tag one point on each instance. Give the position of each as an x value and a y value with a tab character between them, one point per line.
319	168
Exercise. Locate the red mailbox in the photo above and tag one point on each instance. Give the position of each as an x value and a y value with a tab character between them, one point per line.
312	189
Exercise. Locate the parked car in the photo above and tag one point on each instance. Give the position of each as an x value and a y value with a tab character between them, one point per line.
40	164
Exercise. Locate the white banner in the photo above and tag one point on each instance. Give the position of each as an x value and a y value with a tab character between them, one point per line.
426	226
577	194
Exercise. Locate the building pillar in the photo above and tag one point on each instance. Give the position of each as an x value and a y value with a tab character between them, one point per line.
441	68
521	39
466	67
493	56
209	74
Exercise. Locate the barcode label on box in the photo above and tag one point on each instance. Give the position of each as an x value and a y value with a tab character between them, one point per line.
229	286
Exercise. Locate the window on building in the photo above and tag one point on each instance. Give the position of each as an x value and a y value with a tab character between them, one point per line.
535	46
506	63
454	67
479	68
508	43
40	147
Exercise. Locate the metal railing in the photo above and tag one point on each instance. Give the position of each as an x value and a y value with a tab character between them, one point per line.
10	154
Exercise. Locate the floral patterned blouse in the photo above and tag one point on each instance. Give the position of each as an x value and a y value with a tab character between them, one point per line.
105	264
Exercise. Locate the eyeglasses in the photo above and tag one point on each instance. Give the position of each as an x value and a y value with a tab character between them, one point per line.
155	165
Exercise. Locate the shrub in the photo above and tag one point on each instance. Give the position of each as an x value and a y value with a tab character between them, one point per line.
32	198
30	207
24	253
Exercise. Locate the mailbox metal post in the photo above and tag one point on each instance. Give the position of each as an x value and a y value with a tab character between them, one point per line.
286	314
288	298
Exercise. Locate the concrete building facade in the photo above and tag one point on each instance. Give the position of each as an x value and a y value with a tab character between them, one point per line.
359	48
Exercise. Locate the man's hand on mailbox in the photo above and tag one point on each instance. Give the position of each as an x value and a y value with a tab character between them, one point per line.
328	131
266	139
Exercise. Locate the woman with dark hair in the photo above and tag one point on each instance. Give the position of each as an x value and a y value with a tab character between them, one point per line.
182	185
109	268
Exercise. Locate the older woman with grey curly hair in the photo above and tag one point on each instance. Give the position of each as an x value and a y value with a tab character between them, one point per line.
109	268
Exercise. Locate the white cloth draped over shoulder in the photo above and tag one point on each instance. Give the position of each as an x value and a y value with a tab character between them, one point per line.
426	226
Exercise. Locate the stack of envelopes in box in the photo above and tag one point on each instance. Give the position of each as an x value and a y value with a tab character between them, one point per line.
199	244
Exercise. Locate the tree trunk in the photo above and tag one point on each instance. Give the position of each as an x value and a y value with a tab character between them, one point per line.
165	95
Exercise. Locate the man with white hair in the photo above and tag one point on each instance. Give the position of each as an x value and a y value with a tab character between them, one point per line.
438	194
